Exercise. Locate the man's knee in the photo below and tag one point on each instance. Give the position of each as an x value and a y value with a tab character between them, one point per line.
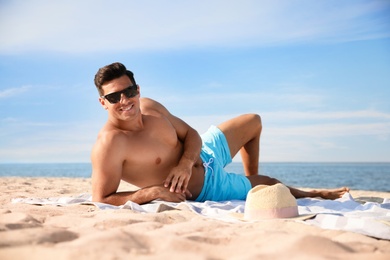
256	119
262	180
254	124
271	181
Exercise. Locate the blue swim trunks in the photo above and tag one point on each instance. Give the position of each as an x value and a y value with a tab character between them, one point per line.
220	185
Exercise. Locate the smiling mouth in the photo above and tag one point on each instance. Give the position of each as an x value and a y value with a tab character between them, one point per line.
127	108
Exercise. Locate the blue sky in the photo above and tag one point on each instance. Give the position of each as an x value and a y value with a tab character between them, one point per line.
318	72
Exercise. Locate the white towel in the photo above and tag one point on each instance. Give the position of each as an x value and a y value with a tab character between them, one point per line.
371	218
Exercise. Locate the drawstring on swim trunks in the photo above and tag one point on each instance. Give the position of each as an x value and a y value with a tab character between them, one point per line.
207	166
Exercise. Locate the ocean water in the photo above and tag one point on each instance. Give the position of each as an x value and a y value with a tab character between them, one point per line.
361	176
358	176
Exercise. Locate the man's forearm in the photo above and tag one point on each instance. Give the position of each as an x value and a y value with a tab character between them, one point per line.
140	196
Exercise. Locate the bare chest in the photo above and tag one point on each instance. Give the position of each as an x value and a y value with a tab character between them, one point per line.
150	154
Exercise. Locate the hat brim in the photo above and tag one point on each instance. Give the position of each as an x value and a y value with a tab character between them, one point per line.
241	216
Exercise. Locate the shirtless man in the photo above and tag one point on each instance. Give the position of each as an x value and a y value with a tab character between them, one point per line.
144	144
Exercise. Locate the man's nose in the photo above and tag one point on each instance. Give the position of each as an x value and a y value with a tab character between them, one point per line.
123	97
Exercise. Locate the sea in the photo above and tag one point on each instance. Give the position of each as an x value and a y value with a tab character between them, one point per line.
358	176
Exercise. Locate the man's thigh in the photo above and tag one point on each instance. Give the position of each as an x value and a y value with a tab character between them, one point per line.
240	130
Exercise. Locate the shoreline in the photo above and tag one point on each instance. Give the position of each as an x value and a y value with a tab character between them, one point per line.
85	232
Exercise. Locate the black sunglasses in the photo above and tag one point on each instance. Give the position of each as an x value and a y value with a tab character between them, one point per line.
115	97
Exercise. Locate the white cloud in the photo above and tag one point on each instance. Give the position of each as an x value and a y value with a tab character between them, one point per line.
232	102
46	153
83	26
315	115
13	91
331	130
29	141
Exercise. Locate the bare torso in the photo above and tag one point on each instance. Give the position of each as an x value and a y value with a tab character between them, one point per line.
149	154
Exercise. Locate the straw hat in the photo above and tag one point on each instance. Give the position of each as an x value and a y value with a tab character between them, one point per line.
264	202
270	202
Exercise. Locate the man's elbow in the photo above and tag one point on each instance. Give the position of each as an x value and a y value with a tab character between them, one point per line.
98	198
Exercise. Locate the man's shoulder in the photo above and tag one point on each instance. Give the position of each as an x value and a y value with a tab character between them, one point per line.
151	106
108	142
109	135
147	102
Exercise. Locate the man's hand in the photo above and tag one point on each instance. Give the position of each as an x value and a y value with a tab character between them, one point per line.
178	179
166	195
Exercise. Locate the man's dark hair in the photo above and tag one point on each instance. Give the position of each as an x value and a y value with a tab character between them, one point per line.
111	72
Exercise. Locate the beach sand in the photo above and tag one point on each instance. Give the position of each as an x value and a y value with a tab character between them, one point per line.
86	232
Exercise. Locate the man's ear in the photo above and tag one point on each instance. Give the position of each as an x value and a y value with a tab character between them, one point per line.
103	103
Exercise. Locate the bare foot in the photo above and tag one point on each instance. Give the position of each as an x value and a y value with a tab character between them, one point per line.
331	193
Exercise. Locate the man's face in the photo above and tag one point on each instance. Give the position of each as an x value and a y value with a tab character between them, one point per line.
124	99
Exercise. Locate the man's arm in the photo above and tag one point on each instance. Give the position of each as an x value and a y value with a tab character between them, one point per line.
179	177
142	196
107	172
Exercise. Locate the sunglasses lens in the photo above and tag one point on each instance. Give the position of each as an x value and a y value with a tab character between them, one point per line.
113	97
131	91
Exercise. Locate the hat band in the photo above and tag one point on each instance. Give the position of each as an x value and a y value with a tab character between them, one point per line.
287	212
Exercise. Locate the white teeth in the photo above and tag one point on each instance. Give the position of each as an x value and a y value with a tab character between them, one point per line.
127	108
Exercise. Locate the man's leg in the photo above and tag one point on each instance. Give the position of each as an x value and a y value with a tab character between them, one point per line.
243	134
297	193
